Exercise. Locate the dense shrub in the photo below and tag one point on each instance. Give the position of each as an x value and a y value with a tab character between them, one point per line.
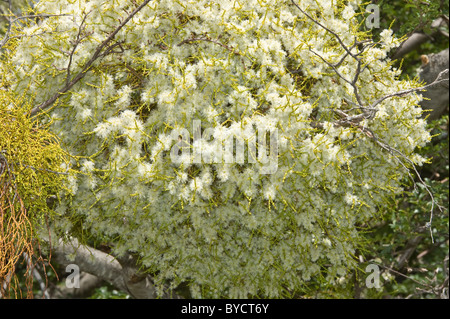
248	69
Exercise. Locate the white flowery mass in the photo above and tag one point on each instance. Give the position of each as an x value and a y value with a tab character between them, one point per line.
238	67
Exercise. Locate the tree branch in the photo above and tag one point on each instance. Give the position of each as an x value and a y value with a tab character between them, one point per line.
368	113
97	54
416	39
7	36
123	273
88	283
90	260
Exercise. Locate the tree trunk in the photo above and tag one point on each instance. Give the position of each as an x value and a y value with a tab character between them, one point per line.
436	98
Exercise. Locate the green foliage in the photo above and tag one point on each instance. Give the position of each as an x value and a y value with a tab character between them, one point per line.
30	174
423	273
108	292
17	7
408	214
407	16
226	230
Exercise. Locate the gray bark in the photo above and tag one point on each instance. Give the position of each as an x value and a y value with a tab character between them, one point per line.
123	273
88	283
90	260
418	38
410	44
436	98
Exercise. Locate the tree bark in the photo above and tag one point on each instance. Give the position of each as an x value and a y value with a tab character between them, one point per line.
436	98
123	273
88	283
90	260
417	38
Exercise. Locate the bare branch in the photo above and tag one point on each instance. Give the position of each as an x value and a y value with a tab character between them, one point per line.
75	45
440	78
400	157
123	273
410	44
356	57
330	31
370	111
97	54
7	36
415	39
90	260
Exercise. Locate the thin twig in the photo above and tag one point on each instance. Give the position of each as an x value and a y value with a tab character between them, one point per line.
7	36
370	111
210	40
75	45
439	79
330	31
97	54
